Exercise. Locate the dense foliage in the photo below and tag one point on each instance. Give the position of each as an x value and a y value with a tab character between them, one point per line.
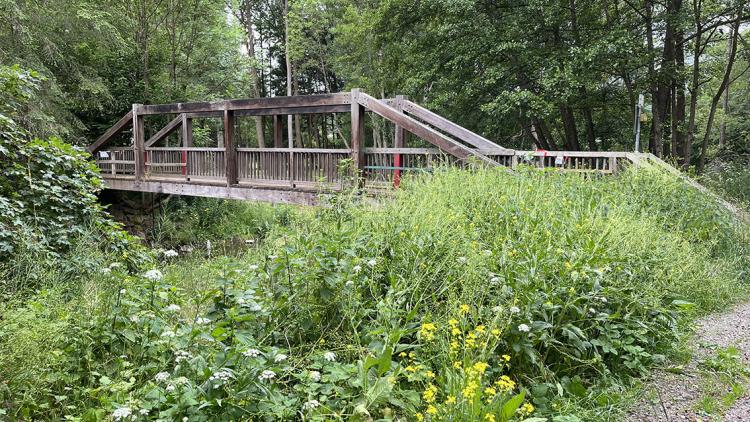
467	296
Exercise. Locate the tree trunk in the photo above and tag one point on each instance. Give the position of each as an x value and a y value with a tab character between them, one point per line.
735	31
725	103
569	126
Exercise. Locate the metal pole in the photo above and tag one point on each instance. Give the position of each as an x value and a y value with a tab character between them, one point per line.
638	111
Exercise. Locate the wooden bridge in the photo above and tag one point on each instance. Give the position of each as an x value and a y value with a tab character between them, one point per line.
225	168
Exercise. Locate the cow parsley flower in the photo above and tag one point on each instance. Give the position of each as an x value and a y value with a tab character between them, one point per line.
315	376
153	275
170	388
202	321
524	328
162	376
182	355
310	405
280	358
168	334
121	413
143	412
329	356
356	269
253	267
251	353
220	377
267	375
172	308
514	310
372	263
171	253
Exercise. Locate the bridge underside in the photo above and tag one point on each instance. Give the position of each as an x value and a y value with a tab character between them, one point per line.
401	137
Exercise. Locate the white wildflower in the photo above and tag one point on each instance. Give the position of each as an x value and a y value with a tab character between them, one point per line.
143	412
251	353
122	291
603	299
356	269
524	328
372	262
220	377
253	267
172	308
310	405
121	413
272	257
133	318
185	419
153	275
182	355
315	376
171	253
495	280
162	376
106	270
249	241
349	283
329	356
168	334
170	388
181	380
280	358
514	310
267	375
462	260
486	252
202	321
592	310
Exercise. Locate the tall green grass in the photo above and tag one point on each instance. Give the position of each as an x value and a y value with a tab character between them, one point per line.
603	271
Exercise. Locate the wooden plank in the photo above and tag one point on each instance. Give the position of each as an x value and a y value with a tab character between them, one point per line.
118	127
214	191
336	108
413	151
205	149
138	144
358	131
398	142
248	104
419	129
449	127
165	131
315	150
230	154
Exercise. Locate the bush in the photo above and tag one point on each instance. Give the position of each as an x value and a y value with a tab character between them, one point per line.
470	295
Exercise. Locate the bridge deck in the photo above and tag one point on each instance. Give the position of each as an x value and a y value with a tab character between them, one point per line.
298	175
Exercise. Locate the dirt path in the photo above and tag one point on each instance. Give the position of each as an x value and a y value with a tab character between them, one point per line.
711	387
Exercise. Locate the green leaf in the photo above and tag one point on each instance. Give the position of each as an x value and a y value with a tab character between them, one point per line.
510	407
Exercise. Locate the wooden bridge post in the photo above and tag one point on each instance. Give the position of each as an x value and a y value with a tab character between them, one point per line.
230	152
358	134
278	131
138	143
398	142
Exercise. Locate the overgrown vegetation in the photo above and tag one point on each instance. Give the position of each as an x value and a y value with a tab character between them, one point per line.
471	295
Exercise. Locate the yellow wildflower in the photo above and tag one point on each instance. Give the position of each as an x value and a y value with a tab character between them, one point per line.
430	374
450	400
419	416
480	367
428	331
464	309
480	328
430	393
431	410
410	369
453	322
505	383
495	332
506	358
402	355
412	355
470	389
454	345
490	391
527	408
457	364
455	331
489	417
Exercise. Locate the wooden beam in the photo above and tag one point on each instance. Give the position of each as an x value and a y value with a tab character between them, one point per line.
449	127
165	131
278	132
138	144
114	130
419	129
213	191
187	131
358	131
398	142
230	152
249	104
